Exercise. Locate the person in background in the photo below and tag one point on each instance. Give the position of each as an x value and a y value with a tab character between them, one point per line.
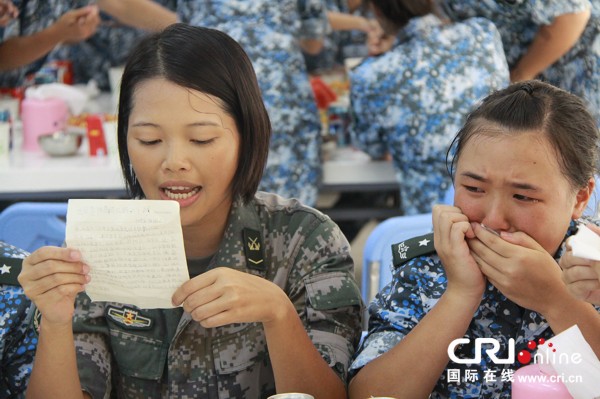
110	46
552	40
274	34
44	25
523	169
18	338
410	101
582	276
271	304
350	24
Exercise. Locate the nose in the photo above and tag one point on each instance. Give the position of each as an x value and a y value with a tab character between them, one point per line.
176	158
496	215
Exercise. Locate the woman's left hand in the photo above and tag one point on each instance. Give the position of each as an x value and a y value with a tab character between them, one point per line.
223	296
518	267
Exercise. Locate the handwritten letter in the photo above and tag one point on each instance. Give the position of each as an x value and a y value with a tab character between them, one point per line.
134	249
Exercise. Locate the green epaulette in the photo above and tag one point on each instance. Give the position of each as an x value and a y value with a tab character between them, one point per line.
9	270
412	248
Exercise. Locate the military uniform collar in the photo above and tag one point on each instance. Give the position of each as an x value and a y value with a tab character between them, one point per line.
9	270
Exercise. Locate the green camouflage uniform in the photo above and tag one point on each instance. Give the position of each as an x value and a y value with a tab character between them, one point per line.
128	352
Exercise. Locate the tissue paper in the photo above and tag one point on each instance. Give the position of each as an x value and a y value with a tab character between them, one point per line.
585	243
75	98
569	357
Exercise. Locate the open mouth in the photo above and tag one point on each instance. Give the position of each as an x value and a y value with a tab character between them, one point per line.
180	193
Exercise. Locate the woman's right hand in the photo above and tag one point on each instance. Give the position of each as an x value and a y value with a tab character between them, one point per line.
451	231
52	277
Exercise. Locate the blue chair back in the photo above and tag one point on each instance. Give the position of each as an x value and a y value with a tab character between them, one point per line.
31	225
377	253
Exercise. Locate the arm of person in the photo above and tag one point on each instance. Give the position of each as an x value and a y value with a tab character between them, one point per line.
549	44
413	366
311	46
142	14
223	296
51	278
345	21
71	27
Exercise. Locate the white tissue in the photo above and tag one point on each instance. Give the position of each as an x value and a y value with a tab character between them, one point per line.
75	97
571	358
585	243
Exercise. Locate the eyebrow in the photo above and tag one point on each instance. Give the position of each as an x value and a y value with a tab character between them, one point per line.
521	186
202	123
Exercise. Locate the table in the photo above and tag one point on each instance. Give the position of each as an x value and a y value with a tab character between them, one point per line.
35	176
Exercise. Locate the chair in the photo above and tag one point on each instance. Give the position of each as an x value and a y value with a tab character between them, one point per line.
377	253
31	225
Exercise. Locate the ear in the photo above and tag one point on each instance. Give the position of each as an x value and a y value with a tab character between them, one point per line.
583	196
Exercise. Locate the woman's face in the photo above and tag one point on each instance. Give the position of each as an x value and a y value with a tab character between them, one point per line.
513	183
183	147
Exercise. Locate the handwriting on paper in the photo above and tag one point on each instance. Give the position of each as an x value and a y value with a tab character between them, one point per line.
134	249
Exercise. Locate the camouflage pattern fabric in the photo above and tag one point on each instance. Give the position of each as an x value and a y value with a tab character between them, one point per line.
18	339
128	352
416	287
34	16
412	100
577	71
269	32
91	59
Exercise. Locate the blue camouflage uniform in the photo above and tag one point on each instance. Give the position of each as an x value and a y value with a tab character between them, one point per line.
419	280
412	100
18	339
577	71
108	47
34	16
164	353
338	45
269	32
91	59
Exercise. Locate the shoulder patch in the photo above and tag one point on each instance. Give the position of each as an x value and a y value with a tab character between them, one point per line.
128	318
412	248
253	249
9	270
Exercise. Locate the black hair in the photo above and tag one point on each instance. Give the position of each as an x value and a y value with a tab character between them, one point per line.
209	61
399	12
535	106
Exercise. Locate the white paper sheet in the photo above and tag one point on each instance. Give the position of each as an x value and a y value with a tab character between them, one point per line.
585	243
134	249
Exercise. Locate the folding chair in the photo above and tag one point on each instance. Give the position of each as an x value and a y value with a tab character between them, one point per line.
377	254
31	225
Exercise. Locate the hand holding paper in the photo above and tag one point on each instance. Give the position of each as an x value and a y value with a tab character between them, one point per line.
581	270
134	249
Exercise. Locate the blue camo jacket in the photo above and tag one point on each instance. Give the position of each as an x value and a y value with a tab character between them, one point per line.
416	287
412	100
269	32
18	339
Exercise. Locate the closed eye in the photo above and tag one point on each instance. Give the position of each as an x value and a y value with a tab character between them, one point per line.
525	198
203	142
473	189
149	142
